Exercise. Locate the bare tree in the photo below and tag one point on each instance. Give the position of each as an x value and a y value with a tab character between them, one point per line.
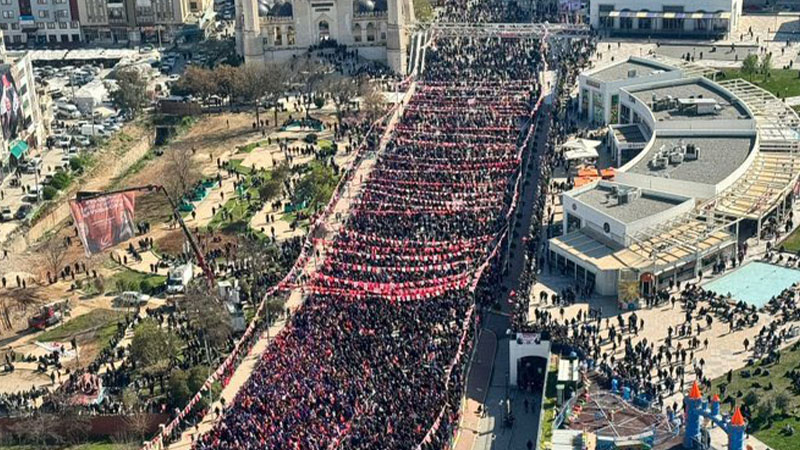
310	74
208	315
372	101
54	254
343	90
180	173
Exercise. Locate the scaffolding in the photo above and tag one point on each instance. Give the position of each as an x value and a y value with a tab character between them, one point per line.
560	30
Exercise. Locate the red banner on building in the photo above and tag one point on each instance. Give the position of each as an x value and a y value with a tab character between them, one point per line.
104	221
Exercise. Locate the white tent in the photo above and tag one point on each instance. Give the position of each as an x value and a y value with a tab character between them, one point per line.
580	149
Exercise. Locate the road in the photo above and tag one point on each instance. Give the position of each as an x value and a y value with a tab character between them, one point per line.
490	432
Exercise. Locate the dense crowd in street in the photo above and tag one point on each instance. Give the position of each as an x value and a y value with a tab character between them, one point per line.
375	356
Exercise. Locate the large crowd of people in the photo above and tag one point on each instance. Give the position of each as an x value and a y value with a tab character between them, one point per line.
375	356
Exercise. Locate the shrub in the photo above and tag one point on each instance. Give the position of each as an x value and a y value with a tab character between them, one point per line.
319	102
311	138
49	192
60	180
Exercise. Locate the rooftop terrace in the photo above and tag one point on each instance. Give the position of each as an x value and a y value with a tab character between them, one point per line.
602	198
728	108
622	70
718	157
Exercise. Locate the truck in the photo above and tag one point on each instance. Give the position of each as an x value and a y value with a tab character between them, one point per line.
178	278
48	315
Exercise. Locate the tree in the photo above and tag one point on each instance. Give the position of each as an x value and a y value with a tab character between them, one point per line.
766	410
343	90
310	74
750	66
54	253
226	79
131	93
179	392
316	186
208	316
782	402
196	81
154	348
766	65
372	101
270	190
180	173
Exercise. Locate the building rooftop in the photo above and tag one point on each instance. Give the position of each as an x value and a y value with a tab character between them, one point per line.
623	70
602	198
718	157
629	133
727	106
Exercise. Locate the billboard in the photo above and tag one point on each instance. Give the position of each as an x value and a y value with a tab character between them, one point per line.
104	221
10	104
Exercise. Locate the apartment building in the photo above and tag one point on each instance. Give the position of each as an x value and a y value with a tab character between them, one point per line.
39	22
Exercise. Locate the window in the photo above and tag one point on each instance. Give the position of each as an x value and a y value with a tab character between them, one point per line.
193	6
15	26
8	14
40	25
370	32
17	39
75	24
52	38
673	24
51	25
76	37
44	14
3	26
64	38
357	33
290	35
625	23
59	2
646	24
61	14
5	2
278	36
63	26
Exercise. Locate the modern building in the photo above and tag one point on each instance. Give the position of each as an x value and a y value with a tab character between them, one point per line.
268	31
657	18
701	166
598	92
23	126
135	21
40	22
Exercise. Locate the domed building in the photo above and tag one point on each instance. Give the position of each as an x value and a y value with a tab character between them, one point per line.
274	30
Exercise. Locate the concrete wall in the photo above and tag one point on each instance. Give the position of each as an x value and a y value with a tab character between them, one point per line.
527	347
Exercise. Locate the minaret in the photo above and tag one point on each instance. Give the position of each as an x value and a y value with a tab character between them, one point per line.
401	16
248	31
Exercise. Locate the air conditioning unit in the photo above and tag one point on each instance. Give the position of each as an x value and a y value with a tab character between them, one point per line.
676	158
659	163
692	153
632	73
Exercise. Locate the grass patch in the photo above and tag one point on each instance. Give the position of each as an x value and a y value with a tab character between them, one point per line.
131	280
250	147
781	82
325	144
102	320
134	168
233	211
792	242
236	166
757	386
549	405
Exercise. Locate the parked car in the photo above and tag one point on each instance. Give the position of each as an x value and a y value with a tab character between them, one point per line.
23	211
130	298
6	214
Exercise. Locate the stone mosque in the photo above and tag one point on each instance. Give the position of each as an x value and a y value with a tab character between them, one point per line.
274	30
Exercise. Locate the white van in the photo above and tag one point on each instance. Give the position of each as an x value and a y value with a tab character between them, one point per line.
93	130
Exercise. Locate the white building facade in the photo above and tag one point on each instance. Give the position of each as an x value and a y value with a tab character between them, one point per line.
675	18
275	32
